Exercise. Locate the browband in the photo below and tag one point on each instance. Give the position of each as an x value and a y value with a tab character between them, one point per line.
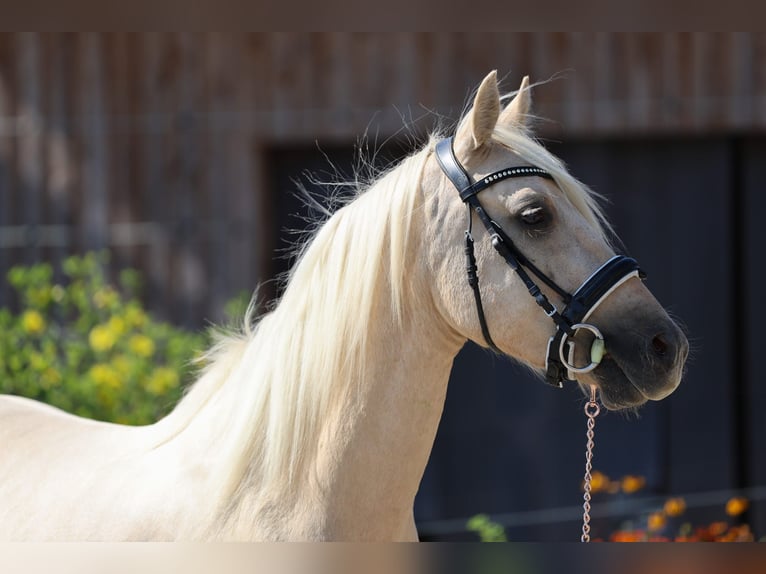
462	180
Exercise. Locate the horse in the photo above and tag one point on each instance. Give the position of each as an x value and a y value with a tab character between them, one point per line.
316	421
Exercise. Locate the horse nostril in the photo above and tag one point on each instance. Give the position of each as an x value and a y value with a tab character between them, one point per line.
660	346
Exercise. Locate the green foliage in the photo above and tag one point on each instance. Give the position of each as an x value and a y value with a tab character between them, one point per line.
487	530
90	348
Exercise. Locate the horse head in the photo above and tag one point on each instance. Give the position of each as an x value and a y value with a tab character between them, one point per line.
538	237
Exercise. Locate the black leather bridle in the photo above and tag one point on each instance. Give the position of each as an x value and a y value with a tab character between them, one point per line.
577	306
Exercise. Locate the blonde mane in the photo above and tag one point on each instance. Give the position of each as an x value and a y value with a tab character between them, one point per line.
268	389
290	367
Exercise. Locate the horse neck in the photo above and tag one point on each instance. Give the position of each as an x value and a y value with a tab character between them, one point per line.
374	442
372	457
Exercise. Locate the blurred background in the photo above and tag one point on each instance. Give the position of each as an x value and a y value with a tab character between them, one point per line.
178	153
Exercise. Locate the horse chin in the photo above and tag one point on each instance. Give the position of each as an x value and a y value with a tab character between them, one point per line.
616	389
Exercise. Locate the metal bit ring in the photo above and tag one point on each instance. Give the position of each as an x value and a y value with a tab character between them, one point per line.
565	359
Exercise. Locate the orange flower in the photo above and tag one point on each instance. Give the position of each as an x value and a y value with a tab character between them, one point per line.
599	482
628	536
631	484
737	534
675	506
736	506
656	521
711	532
742	533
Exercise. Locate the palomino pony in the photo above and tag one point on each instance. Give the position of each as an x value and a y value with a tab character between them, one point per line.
317	423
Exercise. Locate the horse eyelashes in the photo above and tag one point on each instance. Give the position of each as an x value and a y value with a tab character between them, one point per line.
533	216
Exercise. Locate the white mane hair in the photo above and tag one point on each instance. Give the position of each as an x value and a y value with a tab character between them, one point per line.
265	391
290	367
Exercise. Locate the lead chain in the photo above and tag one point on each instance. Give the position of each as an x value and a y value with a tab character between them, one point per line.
591	411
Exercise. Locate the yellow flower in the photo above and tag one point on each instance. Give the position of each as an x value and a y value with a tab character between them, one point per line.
675	506
32	322
134	316
161	380
656	521
37	361
631	484
122	364
105	376
105	297
50	377
141	345
40	297
116	325
106	398
102	338
736	506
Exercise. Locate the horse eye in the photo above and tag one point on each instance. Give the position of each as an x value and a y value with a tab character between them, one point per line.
533	215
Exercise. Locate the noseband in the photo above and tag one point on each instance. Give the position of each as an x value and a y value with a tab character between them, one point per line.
578	306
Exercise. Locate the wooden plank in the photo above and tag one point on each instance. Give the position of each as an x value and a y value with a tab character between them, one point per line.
670	86
740	105
243	210
60	158
122	201
219	188
277	102
152	183
759	73
8	83
95	160
188	204
701	104
30	133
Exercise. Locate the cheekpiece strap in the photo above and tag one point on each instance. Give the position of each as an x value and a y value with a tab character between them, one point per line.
445	155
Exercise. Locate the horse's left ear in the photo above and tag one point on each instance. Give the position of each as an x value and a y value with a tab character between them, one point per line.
476	129
516	113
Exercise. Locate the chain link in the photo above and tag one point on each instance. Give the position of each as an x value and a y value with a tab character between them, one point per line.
591	411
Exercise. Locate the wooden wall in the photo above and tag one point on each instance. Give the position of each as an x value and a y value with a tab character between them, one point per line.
153	144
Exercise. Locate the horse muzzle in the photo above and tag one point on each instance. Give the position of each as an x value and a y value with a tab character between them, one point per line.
640	364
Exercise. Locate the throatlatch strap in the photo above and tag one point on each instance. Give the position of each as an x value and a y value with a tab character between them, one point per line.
473	281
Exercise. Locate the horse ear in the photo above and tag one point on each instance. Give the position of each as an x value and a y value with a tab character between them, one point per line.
516	113
476	128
